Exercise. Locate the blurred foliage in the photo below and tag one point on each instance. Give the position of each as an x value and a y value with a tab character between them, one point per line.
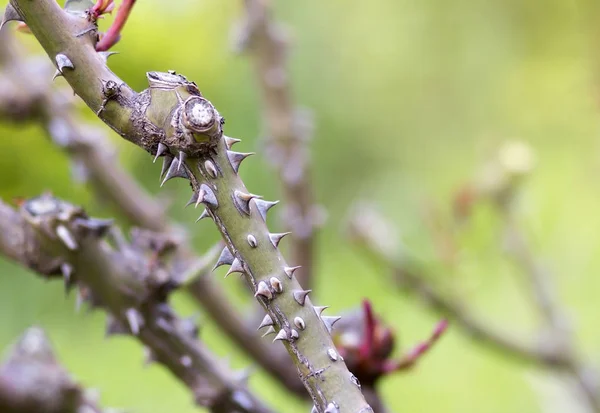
409	98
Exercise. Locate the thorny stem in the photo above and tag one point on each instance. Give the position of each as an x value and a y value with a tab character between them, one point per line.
33	381
113	34
172	115
288	131
91	148
128	286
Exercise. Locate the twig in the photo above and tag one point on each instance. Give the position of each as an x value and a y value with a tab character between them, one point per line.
90	147
366	229
288	132
57	239
33	381
172	119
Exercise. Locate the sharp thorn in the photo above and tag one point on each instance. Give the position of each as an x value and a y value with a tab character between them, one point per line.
229	142
10	14
276	238
174	172
299	323
134	318
236	266
207	196
66	237
263	207
167	161
181	159
242	201
236	158
300	296
105	55
193	200
270	330
252	241
320	309
282	335
263	289
203	215
332	408
98	227
63	62
56	74
276	284
289	271
226	258
329	321
162	148
267	321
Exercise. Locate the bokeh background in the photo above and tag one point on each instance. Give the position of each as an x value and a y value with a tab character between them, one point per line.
409	99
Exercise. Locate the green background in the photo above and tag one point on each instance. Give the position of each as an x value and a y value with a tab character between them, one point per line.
408	98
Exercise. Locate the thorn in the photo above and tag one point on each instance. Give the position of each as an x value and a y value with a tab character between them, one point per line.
134	318
181	159
332	354
207	196
236	158
203	215
267	321
193	200
167	161
226	258
105	55
276	284
299	323
67	272
294	334
63	62
211	169
329	321
10	14
174	172
229	142
289	271
79	299
264	206
66	237
56	74
276	238
98	227
270	330
319	309
263	289
282	335
300	296
252	241
162	148
314	409
236	266
242	201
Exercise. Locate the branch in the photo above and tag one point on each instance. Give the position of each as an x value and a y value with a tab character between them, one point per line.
33	381
172	119
90	147
288	132
130	281
368	228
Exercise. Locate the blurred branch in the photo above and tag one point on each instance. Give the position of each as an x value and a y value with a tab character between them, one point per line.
90	148
33	381
371	231
288	131
132	282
